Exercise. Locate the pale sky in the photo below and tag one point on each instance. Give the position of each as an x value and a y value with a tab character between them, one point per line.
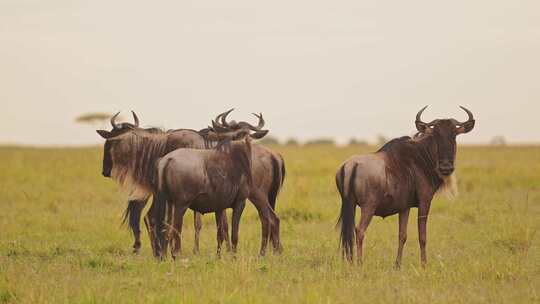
315	68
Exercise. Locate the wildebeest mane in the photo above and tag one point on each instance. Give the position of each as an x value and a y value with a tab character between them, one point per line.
404	155
141	149
238	155
208	143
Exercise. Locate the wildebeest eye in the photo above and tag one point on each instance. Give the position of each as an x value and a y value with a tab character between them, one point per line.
432	127
458	126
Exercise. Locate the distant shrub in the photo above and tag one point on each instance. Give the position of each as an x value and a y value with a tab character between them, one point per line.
357	142
269	140
292	142
93	117
498	141
299	215
321	141
97	119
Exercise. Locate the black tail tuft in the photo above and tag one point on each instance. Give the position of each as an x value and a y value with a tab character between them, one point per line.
346	217
132	215
158	215
283	173
277	181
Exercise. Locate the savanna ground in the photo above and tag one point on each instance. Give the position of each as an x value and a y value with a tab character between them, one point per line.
61	239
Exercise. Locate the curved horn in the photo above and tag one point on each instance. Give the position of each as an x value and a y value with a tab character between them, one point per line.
247	125
216	120
420	125
224	118
135	119
261	120
218	128
113	123
467	126
471	117
419	115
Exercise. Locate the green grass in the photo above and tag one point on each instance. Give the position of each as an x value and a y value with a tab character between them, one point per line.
61	239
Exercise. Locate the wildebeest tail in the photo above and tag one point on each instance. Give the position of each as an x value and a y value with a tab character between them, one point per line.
160	211
132	215
347	215
278	176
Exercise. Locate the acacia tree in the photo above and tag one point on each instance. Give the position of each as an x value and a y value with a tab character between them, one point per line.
96	119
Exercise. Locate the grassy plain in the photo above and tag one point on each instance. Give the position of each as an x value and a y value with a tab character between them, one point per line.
61	239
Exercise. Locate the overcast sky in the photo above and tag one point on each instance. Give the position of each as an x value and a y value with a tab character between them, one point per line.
315	68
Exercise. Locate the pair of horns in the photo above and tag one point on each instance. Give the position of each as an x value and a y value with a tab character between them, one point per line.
419	115
220	122
115	126
233	129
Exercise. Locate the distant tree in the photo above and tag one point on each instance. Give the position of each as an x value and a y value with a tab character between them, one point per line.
321	141
357	142
269	140
292	142
498	141
95	119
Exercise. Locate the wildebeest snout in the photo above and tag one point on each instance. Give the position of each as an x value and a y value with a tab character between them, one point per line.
106	173
446	168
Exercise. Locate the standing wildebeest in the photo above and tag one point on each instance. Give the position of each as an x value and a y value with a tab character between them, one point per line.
130	154
205	181
403	174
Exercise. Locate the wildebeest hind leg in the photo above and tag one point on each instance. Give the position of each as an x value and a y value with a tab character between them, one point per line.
176	229
365	219
265	215
274	233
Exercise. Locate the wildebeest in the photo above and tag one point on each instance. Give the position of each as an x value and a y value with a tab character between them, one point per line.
130	153
205	181
405	173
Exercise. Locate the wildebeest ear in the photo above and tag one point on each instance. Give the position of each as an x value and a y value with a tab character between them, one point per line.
465	127
104	134
259	134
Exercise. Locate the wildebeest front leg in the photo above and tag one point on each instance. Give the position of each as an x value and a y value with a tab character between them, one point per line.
197	223
423	211
237	213
402	238
267	218
365	219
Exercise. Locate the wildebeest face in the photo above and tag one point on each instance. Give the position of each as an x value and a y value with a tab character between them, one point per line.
115	154
114	151
444	131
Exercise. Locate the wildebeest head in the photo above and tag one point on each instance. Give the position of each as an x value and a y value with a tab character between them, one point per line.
444	131
117	130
